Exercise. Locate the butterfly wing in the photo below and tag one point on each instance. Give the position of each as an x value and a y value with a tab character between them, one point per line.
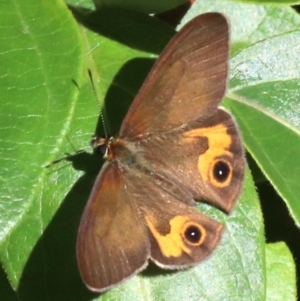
183	91
112	241
205	160
129	219
187	81
179	235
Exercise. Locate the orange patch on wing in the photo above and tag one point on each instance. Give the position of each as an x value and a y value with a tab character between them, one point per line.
219	142
171	244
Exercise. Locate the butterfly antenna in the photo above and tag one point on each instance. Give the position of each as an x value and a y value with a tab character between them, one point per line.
100	109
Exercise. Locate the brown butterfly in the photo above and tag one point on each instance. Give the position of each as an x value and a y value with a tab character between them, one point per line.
175	146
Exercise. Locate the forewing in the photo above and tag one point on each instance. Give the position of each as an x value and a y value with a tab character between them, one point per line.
187	81
112	241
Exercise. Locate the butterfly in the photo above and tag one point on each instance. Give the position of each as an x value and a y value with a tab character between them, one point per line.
175	146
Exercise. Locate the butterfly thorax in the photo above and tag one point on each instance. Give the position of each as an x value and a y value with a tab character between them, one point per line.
113	148
119	149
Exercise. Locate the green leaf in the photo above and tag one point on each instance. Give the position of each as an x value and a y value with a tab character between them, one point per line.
280	272
41	56
85	5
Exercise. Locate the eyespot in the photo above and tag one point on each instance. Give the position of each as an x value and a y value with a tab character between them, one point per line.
194	234
221	171
184	233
